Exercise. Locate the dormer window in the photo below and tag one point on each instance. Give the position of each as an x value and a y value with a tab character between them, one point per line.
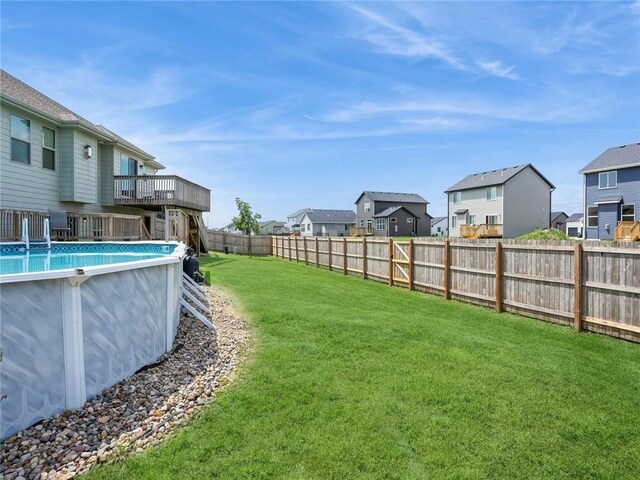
608	180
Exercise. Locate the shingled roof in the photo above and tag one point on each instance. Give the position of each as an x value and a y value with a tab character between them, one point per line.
389	211
331	216
624	156
576	217
392	197
493	177
23	95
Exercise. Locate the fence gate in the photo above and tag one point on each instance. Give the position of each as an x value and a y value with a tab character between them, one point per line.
401	262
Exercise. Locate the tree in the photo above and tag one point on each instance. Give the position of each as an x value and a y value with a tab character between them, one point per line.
246	221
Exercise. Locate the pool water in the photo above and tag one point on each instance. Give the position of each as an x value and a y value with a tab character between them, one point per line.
14	259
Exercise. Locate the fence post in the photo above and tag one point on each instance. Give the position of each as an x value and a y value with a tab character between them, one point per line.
297	254
391	262
289	246
499	277
330	267
410	268
364	257
317	253
447	264
344	255
304	244
577	318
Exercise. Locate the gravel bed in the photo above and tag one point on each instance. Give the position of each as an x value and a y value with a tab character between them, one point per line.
140	411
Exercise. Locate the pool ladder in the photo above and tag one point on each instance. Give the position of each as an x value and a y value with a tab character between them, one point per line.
40	244
194	300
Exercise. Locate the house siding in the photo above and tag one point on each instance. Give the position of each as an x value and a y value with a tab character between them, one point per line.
85	171
419	210
610	214
27	186
527	204
331	229
475	201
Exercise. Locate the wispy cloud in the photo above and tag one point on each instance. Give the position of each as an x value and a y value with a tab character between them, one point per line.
496	68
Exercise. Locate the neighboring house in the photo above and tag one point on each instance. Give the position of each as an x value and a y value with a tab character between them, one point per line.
611	191
272	227
558	220
327	223
53	159
440	227
507	202
389	214
230	228
575	225
293	219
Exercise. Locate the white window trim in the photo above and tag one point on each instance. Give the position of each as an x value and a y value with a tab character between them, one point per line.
393	220
608	187
453	197
410	220
592	216
11	137
381	224
49	148
492	190
634	212
367	206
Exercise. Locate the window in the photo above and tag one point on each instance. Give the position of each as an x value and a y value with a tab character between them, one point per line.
608	180
492	193
367	206
438	229
48	148
592	217
453	221
410	220
361	222
346	227
628	213
308	227
393	219
380	224
456	197
20	139
493	219
369	224
472	219
302	227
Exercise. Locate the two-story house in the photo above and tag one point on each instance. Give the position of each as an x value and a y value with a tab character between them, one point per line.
612	191
440	226
293	219
326	223
575	225
390	214
52	159
507	202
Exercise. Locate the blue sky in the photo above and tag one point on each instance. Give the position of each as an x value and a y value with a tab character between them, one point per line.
292	105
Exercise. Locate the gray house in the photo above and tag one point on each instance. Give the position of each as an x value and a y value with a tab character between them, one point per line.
440	226
575	225
327	223
54	159
390	214
558	220
272	227
293	219
507	202
611	191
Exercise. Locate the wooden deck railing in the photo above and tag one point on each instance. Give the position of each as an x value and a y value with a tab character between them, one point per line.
627	231
360	231
484	230
158	191
84	226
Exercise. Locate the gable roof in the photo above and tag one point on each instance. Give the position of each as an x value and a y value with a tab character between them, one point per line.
499	176
435	220
576	217
22	95
389	211
555	215
299	212
267	222
624	156
392	197
331	216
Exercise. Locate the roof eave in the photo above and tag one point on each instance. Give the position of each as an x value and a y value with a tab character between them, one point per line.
610	168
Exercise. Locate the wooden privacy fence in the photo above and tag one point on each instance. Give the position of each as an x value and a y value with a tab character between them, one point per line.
592	286
258	245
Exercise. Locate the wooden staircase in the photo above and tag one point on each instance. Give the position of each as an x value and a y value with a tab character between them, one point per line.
627	232
198	233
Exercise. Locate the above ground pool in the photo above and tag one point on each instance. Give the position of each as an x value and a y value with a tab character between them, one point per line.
78	318
15	258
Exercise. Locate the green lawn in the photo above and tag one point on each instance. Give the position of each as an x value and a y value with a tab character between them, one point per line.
353	379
